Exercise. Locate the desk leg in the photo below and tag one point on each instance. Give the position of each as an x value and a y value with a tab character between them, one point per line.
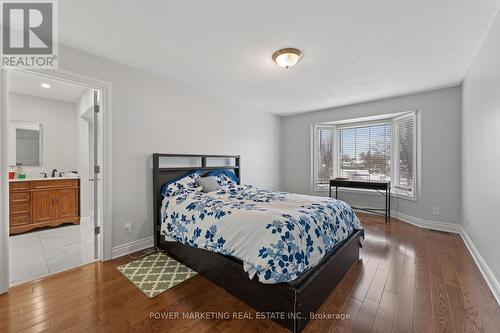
330	191
336	192
386	204
389	204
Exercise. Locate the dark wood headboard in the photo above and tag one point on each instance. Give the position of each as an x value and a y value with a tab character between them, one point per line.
161	175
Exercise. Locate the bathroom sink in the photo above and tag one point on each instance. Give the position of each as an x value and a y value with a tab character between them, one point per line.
70	175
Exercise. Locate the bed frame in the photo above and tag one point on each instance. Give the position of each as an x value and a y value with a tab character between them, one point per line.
288	304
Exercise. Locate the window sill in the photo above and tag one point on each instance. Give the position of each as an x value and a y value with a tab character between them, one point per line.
362	191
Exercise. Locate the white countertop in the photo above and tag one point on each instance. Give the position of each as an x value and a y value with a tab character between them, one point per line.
48	178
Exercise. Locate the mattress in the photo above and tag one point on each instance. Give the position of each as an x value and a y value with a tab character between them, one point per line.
278	236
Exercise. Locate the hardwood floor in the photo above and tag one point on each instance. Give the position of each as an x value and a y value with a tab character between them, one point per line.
408	280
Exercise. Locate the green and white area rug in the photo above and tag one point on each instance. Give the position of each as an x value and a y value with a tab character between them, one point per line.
155	273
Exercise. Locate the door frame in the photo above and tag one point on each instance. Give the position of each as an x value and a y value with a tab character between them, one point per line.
106	162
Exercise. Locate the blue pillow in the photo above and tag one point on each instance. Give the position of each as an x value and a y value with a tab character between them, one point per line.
164	187
225	172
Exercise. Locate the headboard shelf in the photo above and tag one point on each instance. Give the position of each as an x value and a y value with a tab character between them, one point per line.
163	174
199	168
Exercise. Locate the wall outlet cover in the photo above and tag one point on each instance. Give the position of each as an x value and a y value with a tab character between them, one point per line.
436	211
128	227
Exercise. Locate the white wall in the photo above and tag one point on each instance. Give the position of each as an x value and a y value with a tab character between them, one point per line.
154	115
481	152
439	165
59	128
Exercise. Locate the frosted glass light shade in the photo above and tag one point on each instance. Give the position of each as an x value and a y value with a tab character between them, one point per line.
287	58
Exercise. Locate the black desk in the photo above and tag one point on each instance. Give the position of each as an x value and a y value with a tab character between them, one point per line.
367	185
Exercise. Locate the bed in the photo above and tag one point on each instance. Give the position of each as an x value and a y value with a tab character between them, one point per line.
237	237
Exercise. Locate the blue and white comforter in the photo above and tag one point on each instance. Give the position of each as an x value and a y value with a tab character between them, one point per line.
277	235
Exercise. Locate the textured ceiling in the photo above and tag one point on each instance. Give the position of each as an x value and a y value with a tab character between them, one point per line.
354	50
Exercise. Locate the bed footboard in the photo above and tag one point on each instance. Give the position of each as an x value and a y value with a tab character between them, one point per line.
291	304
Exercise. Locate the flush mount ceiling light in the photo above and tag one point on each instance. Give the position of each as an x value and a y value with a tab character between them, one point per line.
287	58
45	85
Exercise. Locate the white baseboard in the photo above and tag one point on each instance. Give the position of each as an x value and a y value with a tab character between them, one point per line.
138	245
434	225
483	266
85	219
485	270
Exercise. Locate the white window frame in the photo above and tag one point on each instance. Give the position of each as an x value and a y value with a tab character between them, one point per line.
395	156
314	155
390	119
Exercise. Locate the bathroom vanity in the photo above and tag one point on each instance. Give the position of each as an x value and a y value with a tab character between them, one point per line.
36	203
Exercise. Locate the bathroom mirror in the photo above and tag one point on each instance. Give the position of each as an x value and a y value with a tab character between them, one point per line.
28	142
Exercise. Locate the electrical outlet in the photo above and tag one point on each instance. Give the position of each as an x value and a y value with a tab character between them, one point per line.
436	211
128	227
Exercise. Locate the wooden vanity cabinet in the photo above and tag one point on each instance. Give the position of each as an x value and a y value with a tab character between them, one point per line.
43	207
41	203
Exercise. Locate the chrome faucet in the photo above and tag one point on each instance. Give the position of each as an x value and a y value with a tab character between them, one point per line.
54	173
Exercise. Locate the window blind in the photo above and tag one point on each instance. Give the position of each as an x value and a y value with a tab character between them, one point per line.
365	152
324	155
405	132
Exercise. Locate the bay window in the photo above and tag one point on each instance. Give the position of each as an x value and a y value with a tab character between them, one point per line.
376	150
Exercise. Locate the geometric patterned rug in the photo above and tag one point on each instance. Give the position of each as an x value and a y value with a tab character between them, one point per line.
155	273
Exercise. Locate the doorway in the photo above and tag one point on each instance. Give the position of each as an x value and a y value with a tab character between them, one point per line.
55	153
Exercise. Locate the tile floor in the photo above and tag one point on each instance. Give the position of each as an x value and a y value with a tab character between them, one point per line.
41	253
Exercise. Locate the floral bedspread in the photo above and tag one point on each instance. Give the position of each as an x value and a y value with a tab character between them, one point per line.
277	235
